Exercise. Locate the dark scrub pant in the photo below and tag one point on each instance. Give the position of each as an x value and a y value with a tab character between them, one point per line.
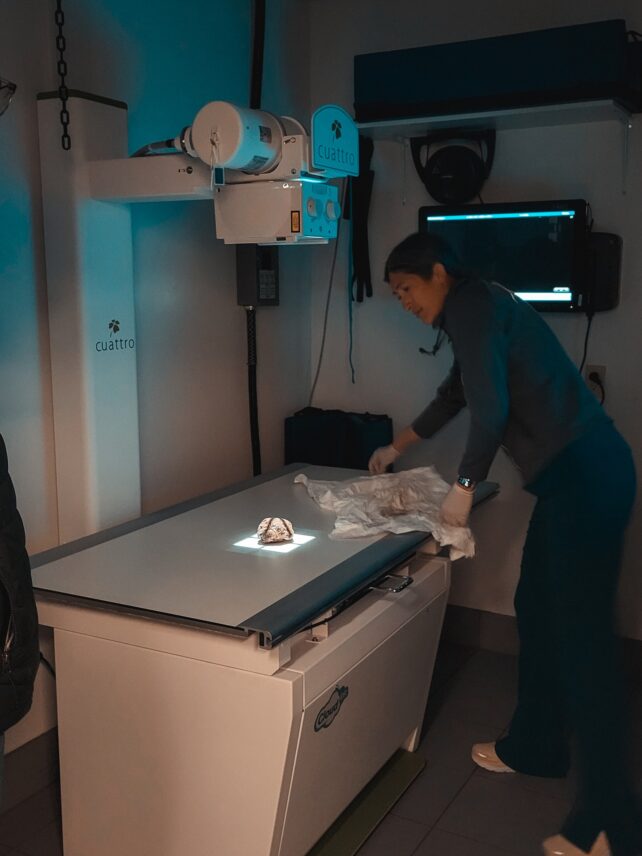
569	681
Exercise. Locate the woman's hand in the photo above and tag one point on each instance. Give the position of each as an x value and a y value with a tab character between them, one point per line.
455	509
382	458
386	455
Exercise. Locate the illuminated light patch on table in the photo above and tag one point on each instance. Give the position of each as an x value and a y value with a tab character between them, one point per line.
253	543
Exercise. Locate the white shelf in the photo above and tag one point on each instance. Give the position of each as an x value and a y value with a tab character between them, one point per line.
523	117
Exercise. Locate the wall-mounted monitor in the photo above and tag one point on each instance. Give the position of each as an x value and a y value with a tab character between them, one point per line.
537	249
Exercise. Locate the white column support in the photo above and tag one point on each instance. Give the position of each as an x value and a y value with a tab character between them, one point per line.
90	289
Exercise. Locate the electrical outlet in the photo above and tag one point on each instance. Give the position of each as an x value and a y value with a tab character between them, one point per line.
600	371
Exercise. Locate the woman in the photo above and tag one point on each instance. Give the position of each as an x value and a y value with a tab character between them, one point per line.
525	394
18	617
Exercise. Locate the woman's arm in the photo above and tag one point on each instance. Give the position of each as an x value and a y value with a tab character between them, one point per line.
448	401
404	439
446	404
481	343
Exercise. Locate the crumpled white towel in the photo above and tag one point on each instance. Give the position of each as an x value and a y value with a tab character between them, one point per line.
408	501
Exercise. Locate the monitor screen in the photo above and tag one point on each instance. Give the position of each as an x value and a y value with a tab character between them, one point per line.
537	249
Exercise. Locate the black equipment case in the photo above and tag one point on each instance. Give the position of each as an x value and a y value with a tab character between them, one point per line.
578	63
334	438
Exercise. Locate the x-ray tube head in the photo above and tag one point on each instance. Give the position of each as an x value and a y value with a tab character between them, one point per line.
232	137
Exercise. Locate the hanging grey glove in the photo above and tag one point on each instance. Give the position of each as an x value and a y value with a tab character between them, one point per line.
455	509
382	458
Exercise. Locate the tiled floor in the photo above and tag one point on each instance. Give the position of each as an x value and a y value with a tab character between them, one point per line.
452	809
456	809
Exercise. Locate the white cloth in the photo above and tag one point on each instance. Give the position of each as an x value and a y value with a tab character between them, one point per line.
408	501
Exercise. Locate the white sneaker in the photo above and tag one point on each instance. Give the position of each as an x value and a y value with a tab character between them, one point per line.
484	755
558	845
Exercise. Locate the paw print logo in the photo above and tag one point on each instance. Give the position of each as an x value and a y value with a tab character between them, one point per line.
336	129
114	326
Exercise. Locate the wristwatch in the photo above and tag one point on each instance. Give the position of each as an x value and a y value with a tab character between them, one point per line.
468	484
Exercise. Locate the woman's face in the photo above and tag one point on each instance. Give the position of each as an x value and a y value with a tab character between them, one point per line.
423	297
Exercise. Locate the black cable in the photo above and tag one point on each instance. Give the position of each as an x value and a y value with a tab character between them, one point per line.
316	624
256	82
590	317
47	664
7	91
250	316
258	45
595	378
327	301
152	148
590	313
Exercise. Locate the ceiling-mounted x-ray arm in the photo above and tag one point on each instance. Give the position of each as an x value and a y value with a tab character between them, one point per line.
268	177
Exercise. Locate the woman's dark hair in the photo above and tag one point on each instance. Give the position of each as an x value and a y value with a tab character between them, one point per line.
418	254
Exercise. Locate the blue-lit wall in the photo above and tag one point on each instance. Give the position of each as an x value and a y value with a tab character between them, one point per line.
25	399
165	60
572	161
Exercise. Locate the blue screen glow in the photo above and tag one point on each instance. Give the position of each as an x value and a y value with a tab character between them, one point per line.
507	216
531	251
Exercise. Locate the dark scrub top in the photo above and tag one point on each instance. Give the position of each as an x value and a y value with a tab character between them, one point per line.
521	388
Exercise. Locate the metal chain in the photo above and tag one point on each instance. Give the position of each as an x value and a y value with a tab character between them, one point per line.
63	92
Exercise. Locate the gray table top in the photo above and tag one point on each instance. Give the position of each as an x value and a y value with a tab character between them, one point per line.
188	564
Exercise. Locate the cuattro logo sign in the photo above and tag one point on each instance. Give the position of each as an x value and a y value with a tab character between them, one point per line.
115	342
333	152
331	708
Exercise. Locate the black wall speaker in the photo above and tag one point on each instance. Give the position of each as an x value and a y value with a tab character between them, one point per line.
455	172
603	271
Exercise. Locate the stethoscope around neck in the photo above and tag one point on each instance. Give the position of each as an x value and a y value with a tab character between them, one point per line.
441	335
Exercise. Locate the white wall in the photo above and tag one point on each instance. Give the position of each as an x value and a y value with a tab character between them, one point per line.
569	161
165	62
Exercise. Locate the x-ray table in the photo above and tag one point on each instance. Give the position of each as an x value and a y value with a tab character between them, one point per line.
199	713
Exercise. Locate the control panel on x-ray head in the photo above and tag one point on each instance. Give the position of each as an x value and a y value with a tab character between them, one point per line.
269	179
